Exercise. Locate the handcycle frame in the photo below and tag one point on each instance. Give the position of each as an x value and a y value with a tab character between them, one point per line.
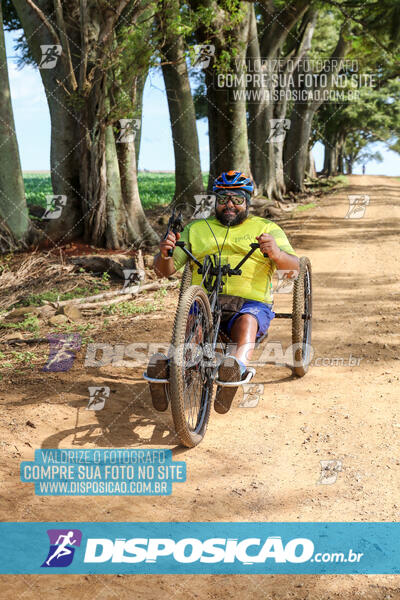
210	270
187	377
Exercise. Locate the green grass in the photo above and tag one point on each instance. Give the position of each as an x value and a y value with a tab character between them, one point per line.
342	179
129	308
30	323
303	207
82	329
24	357
37	186
55	296
154	188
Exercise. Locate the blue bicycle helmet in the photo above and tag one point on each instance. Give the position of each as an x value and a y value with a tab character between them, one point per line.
231	180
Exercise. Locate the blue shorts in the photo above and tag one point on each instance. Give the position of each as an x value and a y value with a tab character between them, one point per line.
261	311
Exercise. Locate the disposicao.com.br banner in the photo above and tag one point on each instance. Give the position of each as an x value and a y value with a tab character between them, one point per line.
199	548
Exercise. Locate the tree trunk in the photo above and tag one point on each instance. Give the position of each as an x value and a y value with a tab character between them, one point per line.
227	132
327	149
280	107
114	233
340	157
296	146
65	166
64	153
79	89
188	178
226	106
141	82
297	139
311	170
340	165
265	151
139	228
260	111
14	216
330	158
114	214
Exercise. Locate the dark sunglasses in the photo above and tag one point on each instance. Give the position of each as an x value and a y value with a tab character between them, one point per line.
224	199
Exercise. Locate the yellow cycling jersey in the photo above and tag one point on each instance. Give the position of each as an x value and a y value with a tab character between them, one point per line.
203	237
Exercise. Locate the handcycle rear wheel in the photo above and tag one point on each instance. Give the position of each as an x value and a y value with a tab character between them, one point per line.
302	318
190	379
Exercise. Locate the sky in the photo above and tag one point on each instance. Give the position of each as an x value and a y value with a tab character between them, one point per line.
32	122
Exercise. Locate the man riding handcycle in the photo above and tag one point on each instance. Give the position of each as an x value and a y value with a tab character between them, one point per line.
226	294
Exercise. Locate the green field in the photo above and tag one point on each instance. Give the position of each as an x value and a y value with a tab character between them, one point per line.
154	188
37	185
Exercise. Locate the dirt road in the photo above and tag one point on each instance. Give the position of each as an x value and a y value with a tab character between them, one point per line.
255	464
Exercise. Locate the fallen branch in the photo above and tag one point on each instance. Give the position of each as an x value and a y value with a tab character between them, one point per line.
124	294
92	306
14	341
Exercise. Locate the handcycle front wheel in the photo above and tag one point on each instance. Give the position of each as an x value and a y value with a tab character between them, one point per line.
186	280
302	318
191	384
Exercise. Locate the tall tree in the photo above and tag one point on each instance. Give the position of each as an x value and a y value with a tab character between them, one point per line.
278	38
84	161
223	26
370	111
297	140
188	178
14	218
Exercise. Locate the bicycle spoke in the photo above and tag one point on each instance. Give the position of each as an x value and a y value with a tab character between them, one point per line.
194	376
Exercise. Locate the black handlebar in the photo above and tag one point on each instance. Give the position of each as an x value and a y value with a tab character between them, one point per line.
253	246
257	245
226	269
175	224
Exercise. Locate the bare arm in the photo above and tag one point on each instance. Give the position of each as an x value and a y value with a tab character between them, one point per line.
164	267
282	259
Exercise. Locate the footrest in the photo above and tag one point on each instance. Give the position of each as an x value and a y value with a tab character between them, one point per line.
250	374
154	380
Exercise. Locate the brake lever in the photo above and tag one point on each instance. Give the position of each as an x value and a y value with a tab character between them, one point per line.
257	245
175	224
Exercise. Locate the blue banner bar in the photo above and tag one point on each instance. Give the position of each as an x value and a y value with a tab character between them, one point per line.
199	548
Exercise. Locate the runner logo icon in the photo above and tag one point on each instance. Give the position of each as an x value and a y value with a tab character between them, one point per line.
61	551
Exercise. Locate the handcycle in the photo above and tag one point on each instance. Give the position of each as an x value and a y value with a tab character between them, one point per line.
198	344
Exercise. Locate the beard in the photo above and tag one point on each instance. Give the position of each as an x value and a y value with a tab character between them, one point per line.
232	220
